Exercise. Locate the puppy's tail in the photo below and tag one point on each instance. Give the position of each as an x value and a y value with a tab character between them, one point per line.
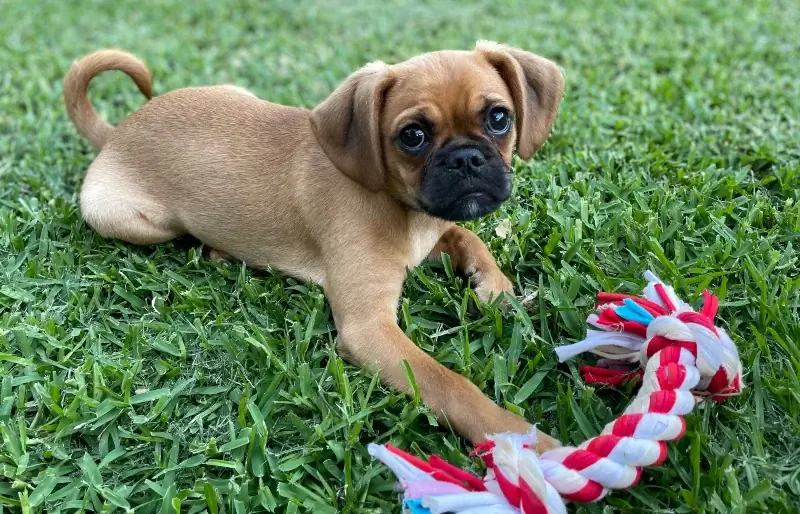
76	90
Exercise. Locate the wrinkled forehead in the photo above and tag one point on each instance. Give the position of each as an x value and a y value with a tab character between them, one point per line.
447	88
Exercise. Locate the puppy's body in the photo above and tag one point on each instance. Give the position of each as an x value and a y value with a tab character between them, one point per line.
262	164
334	195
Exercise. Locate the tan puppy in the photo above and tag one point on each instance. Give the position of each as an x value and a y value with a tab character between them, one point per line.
348	195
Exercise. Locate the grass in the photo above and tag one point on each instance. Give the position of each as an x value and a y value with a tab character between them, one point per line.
153	380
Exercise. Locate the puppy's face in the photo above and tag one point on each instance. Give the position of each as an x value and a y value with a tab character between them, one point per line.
448	135
438	131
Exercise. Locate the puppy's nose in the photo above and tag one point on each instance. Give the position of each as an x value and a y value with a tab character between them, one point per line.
466	160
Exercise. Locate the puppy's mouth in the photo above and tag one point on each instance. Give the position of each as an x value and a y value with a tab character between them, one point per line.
463	182
468	207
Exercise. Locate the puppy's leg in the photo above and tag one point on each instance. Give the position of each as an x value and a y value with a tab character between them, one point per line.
471	258
115	206
364	307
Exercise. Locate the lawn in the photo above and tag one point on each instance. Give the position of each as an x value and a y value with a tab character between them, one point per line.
156	380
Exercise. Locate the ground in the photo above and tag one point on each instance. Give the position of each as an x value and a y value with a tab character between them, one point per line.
154	379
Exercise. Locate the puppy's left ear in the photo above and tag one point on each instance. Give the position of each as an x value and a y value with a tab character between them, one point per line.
536	85
347	125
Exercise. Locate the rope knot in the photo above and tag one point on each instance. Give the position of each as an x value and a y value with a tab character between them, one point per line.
630	329
682	354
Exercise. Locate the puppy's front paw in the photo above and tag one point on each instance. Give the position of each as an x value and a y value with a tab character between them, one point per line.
545	443
489	286
499	420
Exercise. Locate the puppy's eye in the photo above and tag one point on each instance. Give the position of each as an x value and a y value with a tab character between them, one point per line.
412	137
498	120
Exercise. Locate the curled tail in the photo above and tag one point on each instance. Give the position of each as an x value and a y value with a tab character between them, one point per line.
76	90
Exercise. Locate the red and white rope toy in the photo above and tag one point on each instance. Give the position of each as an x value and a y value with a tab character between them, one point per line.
685	357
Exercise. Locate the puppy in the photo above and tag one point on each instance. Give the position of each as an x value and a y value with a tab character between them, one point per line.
348	195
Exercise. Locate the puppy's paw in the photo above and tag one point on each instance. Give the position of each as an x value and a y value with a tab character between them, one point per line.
502	421
545	442
219	255
489	286
516	424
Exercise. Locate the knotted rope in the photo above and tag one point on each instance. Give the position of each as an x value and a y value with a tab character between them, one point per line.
684	357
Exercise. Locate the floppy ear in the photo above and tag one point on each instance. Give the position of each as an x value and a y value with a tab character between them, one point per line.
347	125
536	85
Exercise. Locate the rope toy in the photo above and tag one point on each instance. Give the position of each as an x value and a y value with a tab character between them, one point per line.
684	358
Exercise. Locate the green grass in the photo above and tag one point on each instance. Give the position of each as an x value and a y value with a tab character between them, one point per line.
155	379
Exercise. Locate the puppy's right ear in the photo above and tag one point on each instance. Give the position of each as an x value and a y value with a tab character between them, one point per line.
347	125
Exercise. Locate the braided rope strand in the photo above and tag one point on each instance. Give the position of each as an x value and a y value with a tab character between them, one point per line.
684	356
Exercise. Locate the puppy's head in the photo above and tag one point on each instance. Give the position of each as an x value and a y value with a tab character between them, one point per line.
438	131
